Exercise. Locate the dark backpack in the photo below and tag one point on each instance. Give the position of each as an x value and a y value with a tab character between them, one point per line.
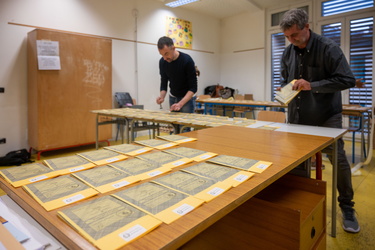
226	92
15	158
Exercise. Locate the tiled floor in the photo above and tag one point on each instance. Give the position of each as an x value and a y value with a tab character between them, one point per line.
364	191
364	197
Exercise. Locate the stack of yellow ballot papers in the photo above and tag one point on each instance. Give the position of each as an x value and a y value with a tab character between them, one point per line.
30	173
233	177
140	169
129	149
108	222
176	138
59	191
286	94
155	143
164	159
191	153
191	184
105	178
69	164
102	156
163	203
241	163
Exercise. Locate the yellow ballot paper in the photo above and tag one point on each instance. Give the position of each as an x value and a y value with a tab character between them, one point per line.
27	174
129	149
286	94
176	138
69	164
216	172
106	178
268	127
155	143
102	156
194	154
164	203
241	163
197	186
140	169
164	159
59	191
108	222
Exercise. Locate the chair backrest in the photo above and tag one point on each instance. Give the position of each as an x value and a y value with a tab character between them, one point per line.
249	97
201	97
239	97
123	99
271	116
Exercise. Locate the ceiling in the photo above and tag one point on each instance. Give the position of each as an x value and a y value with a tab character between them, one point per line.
227	8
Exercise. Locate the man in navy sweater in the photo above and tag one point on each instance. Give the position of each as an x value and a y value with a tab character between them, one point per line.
178	69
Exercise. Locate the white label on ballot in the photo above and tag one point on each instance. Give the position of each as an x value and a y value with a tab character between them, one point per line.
132	232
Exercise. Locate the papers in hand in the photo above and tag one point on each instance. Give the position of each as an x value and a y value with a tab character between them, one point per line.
286	94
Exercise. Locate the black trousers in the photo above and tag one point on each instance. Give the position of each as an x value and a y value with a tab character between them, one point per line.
344	174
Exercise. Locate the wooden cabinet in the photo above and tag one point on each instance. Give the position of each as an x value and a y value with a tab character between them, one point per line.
59	101
290	214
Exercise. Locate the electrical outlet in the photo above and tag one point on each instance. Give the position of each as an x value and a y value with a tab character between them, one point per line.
2	90
3	141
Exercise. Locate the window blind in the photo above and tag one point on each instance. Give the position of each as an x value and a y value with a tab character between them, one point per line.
361	59
277	48
334	7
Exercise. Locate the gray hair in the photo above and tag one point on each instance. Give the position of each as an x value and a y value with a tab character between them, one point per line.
292	17
165	41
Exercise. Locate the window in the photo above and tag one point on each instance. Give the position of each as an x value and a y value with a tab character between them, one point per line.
276	17
278	46
351	28
334	7
361	59
332	31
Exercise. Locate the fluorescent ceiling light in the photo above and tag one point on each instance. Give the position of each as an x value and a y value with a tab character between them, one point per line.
177	3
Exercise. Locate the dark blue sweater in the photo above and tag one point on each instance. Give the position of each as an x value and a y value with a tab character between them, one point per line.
181	75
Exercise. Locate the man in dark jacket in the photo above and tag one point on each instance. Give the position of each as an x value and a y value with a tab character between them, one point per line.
321	72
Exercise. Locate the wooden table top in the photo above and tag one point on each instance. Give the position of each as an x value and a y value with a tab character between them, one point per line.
355	110
241	102
345	107
284	150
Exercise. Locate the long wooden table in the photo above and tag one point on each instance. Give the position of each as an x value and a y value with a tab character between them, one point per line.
177	119
284	150
347	110
210	102
127	117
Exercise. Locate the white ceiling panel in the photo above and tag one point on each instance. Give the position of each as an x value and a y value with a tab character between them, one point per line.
227	8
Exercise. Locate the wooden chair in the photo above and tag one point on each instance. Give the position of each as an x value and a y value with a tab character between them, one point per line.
271	116
250	109
199	109
355	128
124	100
240	109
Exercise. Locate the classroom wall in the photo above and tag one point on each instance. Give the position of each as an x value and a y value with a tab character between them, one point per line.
135	65
242	60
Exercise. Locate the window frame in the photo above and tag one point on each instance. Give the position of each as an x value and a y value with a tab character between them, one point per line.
316	20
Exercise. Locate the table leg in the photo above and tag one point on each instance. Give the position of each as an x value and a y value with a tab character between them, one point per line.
362	136
131	133
122	125
153	130
97	132
334	188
